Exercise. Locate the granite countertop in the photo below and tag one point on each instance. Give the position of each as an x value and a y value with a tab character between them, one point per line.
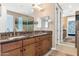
21	37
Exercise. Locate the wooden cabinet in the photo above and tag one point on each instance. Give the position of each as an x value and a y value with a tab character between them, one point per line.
11	48
35	46
49	43
38	49
0	49
29	47
29	50
46	44
38	46
43	44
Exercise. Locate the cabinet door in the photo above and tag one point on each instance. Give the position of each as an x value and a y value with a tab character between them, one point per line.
49	42
38	49
16	52
29	50
45	46
11	46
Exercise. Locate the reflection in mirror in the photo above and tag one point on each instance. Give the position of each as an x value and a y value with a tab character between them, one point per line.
9	23
19	24
42	22
0	9
25	23
30	24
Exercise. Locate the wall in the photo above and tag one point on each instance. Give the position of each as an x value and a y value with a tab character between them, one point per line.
48	10
64	22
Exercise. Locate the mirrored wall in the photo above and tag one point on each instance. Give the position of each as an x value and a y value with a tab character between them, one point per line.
18	22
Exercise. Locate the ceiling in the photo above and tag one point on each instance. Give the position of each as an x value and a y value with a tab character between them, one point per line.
69	8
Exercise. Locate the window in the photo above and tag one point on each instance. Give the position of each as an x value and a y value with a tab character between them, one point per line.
20	23
71	25
9	24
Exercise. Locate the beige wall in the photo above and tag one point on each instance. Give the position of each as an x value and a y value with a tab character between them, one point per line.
64	22
48	10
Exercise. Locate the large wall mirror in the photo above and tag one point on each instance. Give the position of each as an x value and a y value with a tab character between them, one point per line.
0	9
19	23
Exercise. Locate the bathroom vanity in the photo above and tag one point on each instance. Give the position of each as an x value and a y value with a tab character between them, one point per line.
33	44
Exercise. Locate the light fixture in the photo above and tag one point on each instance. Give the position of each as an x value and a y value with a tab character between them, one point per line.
35	6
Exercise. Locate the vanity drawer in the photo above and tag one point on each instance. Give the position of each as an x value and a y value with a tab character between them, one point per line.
11	46
28	41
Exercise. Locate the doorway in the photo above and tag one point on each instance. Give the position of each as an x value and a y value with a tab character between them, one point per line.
69	30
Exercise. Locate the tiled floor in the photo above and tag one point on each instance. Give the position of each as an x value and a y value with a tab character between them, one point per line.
57	53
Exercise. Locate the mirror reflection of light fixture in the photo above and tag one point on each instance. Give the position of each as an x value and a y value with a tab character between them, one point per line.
37	7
